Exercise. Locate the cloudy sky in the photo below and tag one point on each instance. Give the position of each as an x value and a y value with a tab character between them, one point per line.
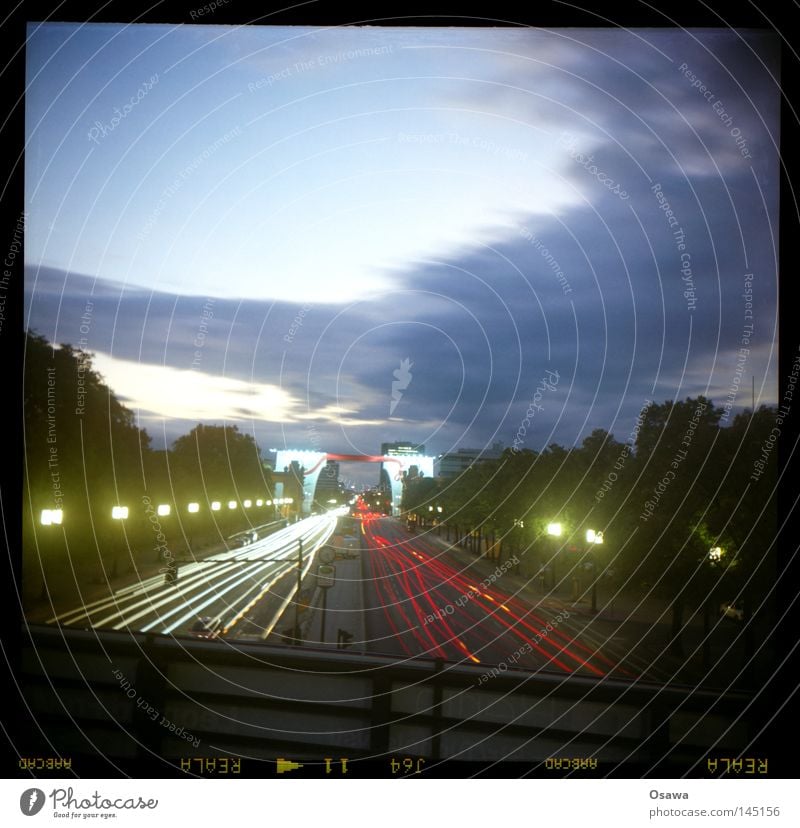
259	225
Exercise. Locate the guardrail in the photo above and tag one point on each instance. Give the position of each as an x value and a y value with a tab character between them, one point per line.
264	702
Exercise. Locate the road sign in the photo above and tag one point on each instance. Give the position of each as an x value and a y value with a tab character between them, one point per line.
326	576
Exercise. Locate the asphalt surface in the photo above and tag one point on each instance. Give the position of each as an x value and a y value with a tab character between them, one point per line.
421	601
415	595
226	587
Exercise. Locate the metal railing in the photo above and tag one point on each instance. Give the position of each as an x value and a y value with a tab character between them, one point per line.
93	694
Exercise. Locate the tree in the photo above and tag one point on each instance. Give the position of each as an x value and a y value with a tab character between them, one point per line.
419	491
217	462
83	455
743	516
677	473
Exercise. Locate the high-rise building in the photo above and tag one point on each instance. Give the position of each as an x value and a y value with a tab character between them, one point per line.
328	481
401	449
453	463
397	449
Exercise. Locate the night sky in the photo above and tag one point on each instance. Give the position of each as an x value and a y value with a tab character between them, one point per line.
258	226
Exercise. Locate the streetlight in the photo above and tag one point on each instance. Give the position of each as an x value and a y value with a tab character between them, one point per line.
49	517
192	508
215	505
259	502
593	538
162	510
554	530
119	513
231	504
52	517
715	554
247	504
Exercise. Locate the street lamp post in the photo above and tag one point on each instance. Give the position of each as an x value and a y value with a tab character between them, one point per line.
119	513
554	530
192	509
162	510
714	559
49	517
593	538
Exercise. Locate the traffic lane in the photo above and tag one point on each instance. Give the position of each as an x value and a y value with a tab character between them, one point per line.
427	609
273	581
207	589
422	607
600	643
393	616
218	585
230	604
388	630
411	597
224	597
546	620
460	618
190	572
258	618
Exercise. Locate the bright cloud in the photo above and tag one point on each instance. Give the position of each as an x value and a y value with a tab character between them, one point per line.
173	393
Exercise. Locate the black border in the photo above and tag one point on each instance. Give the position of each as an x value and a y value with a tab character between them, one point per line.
778	15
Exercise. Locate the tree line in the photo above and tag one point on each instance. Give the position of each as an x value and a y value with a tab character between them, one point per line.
685	505
85	454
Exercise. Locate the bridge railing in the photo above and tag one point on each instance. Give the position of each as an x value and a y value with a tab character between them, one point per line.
144	704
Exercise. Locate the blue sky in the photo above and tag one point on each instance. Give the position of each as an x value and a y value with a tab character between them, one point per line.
407	193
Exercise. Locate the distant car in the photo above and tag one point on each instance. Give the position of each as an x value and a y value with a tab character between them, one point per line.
206	627
728	610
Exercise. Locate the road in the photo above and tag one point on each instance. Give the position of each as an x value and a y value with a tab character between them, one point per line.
225	586
419	601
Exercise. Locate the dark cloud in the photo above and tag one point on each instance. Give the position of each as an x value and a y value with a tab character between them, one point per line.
595	293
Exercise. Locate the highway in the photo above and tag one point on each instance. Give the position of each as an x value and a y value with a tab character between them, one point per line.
417	598
225	587
420	601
